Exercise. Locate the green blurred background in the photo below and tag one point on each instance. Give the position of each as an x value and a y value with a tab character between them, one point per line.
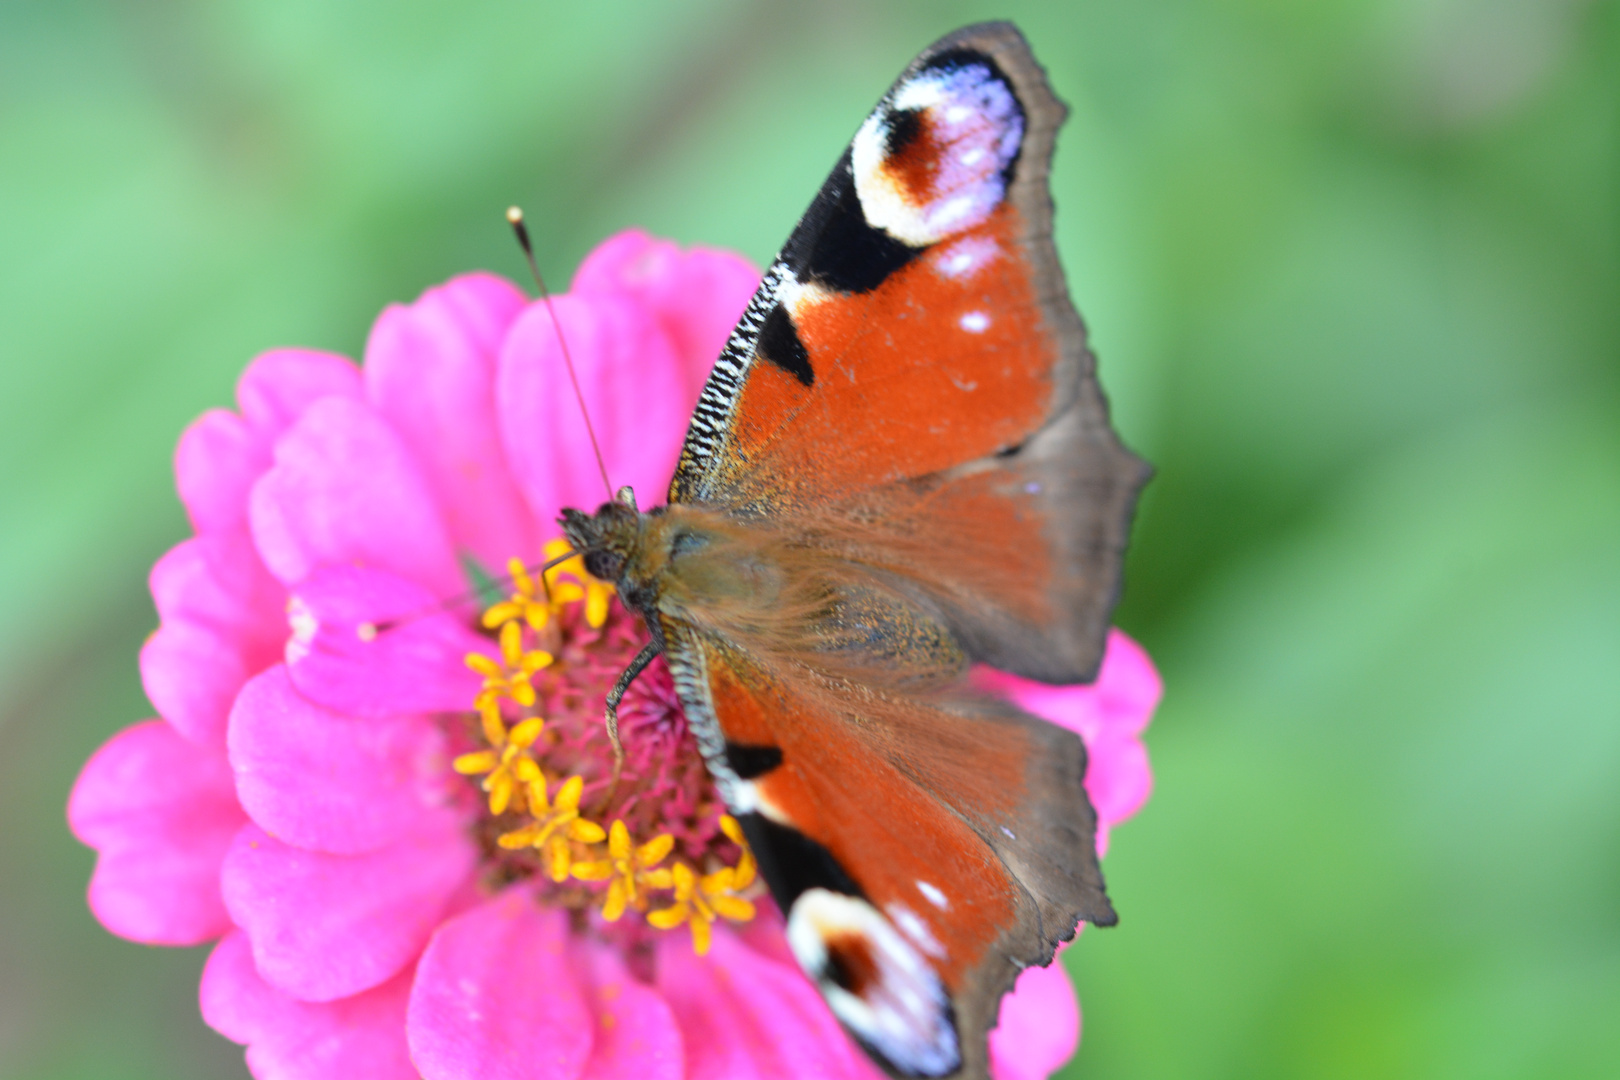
1351	267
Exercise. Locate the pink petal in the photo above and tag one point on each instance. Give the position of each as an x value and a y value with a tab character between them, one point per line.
222	454
219	580
430	371
369	643
329	926
1118	778
746	1017
218	459
1038	1027
1128	685
497	998
698	295
633	386
160	812
766	932
344	489
279	385
222	621
191	674
327	782
287	1039
636	1034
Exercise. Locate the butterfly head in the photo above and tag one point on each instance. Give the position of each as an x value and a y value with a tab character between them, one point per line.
609	538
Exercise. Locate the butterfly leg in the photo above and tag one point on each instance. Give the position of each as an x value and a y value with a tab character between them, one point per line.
616	695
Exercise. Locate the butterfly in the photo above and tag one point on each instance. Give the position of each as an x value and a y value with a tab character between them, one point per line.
901	465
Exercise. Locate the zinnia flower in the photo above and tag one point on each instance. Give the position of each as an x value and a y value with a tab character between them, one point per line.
380	781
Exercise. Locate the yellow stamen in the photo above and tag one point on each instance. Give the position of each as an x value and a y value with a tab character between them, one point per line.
510	678
476	763
701	900
523	604
569	845
507	766
535	603
486	667
489	715
554	825
628	871
746	867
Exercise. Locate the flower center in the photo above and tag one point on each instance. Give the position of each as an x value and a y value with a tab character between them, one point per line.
655	841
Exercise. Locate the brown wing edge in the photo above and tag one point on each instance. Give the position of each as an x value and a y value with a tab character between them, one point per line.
1090	481
1087	490
1057	818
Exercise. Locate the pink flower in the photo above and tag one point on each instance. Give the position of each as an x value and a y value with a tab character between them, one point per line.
402	832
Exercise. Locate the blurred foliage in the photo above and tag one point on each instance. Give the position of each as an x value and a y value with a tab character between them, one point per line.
1351	267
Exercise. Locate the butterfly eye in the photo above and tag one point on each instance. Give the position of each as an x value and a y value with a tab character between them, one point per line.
604	565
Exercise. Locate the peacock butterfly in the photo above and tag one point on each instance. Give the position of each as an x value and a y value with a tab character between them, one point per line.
901	465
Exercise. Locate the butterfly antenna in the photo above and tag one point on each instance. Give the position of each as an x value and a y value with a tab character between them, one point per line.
545	568
514	216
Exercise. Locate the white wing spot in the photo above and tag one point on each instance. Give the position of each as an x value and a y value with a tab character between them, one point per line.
975	126
745	797
903	1011
966	256
933	895
799	297
975	322
914	928
956	212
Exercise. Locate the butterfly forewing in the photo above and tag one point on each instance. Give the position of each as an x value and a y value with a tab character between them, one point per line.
917	329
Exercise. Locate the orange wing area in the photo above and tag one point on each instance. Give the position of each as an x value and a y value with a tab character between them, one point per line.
934	367
964	824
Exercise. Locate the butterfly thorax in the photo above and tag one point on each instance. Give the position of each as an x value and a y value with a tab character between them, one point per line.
677	560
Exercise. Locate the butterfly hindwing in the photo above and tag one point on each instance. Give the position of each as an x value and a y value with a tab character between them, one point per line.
923	850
